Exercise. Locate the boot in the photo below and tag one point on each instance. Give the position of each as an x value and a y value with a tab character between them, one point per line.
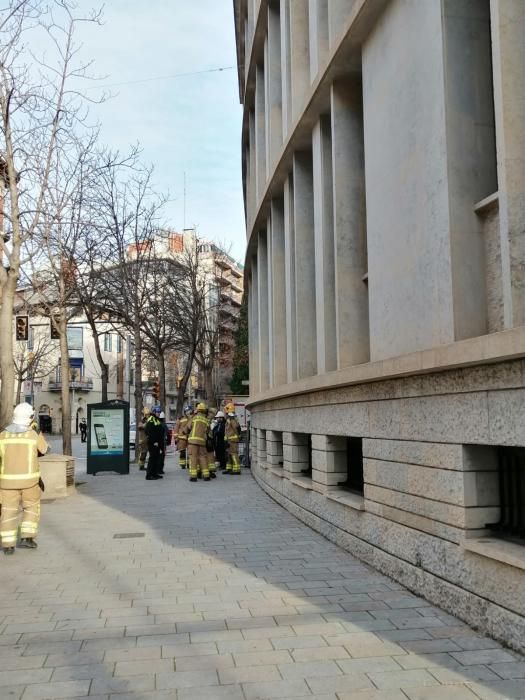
206	478
142	468
28	543
193	478
213	475
9	550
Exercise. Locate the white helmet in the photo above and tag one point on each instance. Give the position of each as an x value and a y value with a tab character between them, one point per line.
219	414
231	414
162	415
23	414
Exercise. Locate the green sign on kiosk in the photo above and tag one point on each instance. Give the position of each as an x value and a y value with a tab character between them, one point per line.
108	437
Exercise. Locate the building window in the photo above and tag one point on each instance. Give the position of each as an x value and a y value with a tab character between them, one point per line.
354	481
119	343
308	471
511	477
31	338
107	342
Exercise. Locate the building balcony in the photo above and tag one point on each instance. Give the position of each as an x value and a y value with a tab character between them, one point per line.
77	385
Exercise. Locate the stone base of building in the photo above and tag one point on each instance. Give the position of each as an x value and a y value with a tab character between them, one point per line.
431	511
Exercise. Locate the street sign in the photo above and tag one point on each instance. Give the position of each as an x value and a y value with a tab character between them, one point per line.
108	437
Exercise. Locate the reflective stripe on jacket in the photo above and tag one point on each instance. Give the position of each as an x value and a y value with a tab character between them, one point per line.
19	467
198	430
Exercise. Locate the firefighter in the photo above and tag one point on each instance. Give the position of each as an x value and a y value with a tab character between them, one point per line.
180	436
20	481
142	439
232	434
197	430
155	435
219	440
209	443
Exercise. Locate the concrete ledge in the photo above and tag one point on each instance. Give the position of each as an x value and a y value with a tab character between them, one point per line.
500	550
485	349
277	471
58	475
352	500
303	481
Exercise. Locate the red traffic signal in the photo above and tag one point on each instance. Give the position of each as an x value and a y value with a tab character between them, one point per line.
156	389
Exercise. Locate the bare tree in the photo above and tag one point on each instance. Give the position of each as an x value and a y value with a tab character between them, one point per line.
39	110
33	364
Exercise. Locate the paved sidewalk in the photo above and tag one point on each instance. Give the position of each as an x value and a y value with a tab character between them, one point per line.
166	589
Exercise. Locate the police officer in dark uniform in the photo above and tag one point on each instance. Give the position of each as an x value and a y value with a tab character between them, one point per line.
155	436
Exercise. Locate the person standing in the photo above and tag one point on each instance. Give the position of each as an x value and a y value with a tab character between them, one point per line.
197	430
142	439
209	443
232	434
219	440
181	440
155	437
20	483
83	429
162	418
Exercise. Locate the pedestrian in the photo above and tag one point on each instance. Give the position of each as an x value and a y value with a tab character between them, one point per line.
181	440
232	434
155	438
209	443
219	442
142	439
197	430
83	429
162	418
20	483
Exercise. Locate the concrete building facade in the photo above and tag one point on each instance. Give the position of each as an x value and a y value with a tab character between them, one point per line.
384	179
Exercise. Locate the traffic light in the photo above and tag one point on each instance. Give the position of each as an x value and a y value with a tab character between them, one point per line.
22	327
156	389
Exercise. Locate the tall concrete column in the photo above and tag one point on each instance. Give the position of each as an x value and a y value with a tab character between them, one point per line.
349	212
324	246
304	265
290	291
286	68
264	347
260	133
255	384
508	30
338	13
318	20
252	169
299	55
274	112
269	254
278	307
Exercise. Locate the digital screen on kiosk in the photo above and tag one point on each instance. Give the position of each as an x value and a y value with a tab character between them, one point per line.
107	432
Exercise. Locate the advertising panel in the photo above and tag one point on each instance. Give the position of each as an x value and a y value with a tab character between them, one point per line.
107	431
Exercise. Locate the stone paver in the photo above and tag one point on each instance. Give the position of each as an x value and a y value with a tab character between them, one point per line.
225	595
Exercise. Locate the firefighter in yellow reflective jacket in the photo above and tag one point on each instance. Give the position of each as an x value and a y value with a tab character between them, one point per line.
232	434
20	447
197	430
181	437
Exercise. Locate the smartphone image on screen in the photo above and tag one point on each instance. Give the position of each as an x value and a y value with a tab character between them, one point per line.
100	433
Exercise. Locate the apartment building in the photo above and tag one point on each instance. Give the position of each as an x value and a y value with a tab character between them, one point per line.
383	155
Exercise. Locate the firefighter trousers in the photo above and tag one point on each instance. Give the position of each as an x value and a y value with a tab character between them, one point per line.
234	464
198	461
29	499
182	458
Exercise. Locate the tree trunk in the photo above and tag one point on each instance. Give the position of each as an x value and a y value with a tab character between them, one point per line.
184	383
66	398
7	369
138	383
162	382
209	387
104	374
18	389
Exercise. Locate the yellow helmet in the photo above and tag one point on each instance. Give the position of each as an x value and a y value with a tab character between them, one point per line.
145	411
229	408
202	408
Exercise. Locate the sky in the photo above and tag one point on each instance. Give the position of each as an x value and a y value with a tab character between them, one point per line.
188	124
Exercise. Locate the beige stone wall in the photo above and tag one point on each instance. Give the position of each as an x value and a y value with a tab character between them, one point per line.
430	481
